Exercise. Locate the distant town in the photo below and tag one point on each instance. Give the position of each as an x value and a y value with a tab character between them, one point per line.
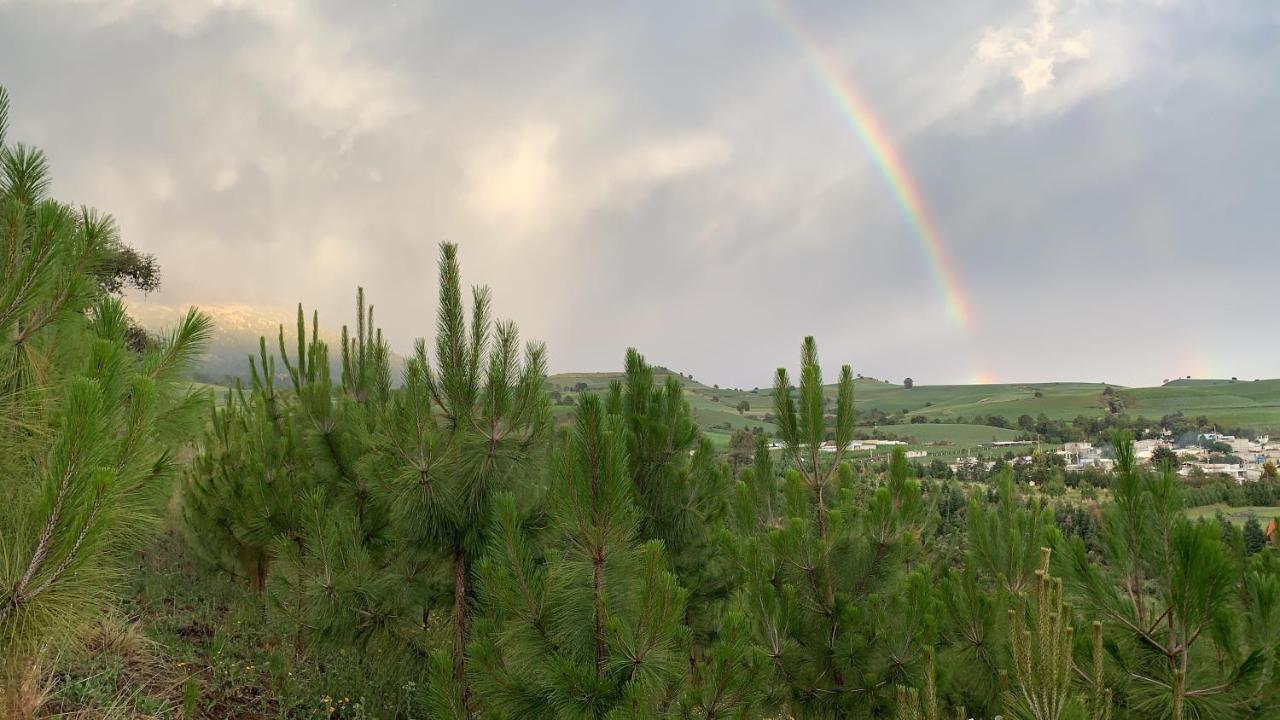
1241	459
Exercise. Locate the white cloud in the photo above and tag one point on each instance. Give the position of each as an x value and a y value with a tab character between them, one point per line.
226	179
511	179
1031	54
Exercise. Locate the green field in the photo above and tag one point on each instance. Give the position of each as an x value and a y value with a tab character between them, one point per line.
1237	515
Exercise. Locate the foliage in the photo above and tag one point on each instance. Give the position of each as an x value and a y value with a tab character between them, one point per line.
88	427
1176	611
595	628
823	576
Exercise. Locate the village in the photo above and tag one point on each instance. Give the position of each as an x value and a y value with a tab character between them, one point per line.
1240	459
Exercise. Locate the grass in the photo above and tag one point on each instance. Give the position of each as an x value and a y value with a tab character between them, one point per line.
190	644
1237	515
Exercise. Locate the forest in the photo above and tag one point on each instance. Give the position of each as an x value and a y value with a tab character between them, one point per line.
331	540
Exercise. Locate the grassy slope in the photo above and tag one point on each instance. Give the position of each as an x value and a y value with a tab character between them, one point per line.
1245	403
1237	515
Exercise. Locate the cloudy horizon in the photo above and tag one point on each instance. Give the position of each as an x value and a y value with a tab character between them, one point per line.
681	177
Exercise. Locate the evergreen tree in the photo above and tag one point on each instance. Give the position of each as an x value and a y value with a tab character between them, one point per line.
681	488
1044	683
1254	537
594	629
371	506
826	585
1174	605
243	489
1006	539
87	426
473	426
1041	685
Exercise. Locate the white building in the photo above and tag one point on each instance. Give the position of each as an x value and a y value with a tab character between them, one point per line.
1235	471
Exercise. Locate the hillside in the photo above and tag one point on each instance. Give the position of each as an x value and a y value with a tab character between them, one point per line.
1251	404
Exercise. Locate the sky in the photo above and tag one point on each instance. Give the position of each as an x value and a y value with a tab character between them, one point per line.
995	191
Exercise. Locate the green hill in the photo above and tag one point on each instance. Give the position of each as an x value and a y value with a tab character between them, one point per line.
1230	403
1251	404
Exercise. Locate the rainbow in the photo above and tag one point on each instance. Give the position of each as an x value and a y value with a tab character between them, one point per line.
887	159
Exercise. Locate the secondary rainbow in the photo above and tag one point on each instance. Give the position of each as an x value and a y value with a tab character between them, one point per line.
887	159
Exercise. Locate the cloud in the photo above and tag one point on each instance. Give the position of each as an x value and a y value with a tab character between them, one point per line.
674	177
1030	54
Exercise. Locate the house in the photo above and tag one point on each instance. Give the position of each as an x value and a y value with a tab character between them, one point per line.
1144	450
1079	455
1245	446
967	463
916	453
1234	471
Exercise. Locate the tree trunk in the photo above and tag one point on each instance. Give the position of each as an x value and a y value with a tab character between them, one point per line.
254	566
460	626
597	582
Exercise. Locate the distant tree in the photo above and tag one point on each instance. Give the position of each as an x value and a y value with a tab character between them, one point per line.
742	448
1269	470
908	383
1164	457
1214	446
580	387
1254	537
743	406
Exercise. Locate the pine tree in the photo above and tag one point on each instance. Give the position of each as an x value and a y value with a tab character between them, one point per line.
681	487
242	491
758	502
87	426
1173	603
1041	685
1044	682
826	585
1254	537
406	480
1006	540
593	628
999	566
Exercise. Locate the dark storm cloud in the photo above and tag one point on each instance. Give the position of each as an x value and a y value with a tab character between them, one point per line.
674	177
